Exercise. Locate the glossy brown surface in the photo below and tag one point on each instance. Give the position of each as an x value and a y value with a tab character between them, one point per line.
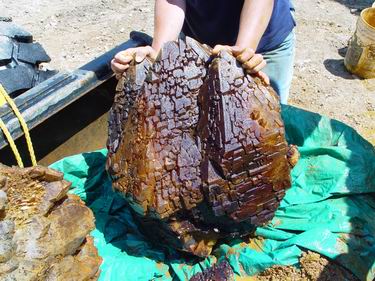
197	147
219	272
44	232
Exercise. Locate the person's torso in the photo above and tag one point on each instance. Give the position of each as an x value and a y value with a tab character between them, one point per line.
217	22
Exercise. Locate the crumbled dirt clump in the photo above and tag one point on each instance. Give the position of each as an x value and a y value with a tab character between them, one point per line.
313	268
43	230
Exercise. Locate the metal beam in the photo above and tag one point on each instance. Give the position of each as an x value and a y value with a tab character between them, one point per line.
43	101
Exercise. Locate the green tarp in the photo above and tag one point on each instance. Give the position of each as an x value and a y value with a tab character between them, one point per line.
330	209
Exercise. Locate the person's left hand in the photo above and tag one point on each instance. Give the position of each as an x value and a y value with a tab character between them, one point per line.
253	63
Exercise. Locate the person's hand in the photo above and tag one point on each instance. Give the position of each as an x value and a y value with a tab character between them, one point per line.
253	63
120	63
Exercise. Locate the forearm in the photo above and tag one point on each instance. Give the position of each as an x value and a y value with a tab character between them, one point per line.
254	20
169	19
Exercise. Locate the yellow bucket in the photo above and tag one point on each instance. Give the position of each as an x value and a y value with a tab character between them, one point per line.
360	58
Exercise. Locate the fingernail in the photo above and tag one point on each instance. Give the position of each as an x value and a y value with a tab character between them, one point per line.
138	58
121	57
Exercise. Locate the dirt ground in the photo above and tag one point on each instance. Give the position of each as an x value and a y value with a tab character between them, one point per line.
76	31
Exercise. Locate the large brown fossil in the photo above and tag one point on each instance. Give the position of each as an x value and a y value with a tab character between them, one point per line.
44	231
197	147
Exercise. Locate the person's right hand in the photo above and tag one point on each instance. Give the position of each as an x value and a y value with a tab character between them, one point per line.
120	63
253	63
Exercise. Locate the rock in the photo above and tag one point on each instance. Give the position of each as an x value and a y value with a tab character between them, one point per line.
6	229
43	173
55	191
197	148
6	249
39	243
8	267
3	200
66	228
293	155
77	268
3	181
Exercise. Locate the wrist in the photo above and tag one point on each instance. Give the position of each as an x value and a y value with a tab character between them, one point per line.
156	46
249	43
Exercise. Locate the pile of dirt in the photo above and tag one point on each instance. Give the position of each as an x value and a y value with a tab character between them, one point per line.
43	230
313	267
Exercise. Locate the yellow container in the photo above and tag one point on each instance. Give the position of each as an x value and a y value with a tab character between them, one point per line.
360	58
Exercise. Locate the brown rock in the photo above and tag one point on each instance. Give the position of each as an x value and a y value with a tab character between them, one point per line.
219	272
293	155
45	243
3	200
197	147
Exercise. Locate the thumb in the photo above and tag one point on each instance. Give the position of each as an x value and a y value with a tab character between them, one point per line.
237	50
140	56
152	53
218	48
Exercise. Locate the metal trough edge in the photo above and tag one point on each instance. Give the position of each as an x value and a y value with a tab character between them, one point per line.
43	101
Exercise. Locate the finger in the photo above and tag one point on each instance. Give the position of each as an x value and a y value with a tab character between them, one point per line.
259	67
237	50
151	52
245	55
253	62
123	58
119	68
128	52
126	55
143	52
140	56
218	48
264	77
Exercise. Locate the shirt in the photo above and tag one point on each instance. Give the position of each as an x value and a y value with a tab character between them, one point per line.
217	22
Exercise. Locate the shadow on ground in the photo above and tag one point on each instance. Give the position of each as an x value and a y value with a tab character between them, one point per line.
337	66
356	5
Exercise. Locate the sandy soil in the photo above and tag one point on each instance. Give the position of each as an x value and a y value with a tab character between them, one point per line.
313	267
76	31
321	83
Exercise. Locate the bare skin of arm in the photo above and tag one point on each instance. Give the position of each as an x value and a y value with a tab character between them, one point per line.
254	20
169	19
